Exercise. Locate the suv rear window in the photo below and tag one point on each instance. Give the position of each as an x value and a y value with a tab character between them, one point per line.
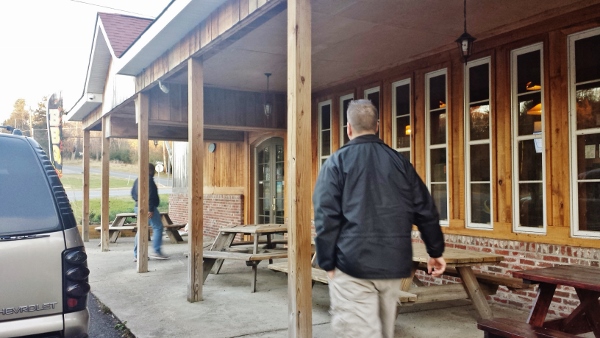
26	202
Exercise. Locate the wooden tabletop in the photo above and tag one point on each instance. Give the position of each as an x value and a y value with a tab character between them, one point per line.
457	257
578	276
255	229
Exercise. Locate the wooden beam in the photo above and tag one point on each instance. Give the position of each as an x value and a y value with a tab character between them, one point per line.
141	110
298	157
85	216
196	178
104	186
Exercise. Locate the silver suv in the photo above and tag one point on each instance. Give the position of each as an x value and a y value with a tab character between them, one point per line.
44	275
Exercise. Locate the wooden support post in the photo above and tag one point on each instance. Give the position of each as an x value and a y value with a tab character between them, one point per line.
104	186
196	178
85	214
298	172
141	111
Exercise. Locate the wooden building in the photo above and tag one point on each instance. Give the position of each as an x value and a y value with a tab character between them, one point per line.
508	143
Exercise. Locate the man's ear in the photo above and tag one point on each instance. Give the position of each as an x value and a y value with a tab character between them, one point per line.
349	130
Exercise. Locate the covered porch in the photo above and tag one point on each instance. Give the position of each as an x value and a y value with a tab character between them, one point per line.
199	73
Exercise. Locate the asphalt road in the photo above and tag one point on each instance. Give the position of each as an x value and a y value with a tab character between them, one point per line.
163	184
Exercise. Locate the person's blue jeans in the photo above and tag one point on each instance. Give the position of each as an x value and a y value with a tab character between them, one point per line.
157	229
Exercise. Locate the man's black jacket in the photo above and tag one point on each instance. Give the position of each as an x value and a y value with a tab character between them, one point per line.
153	199
366	199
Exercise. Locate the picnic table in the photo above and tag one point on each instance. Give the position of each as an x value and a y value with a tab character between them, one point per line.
586	281
128	221
252	253
461	263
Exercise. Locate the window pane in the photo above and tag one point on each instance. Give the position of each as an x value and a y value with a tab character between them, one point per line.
530	161
528	72
325	143
479	122
531	205
480	203
588	159
374	98
403	100
587	54
345	104
438	192
530	106
437	126
437	92
589	206
403	132
438	165
279	154
480	163
588	105
479	83
279	174
325	117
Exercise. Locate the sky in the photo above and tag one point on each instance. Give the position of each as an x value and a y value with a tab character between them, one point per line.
45	46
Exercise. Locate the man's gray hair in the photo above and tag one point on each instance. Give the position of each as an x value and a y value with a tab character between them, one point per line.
363	116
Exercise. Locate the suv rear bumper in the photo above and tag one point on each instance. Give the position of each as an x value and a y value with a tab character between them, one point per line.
75	325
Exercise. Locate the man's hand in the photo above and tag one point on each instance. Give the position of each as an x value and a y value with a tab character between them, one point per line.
330	274
436	266
150	214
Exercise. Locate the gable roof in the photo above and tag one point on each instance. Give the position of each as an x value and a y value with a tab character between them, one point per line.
113	35
122	30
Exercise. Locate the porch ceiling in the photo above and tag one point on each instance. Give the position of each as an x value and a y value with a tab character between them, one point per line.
354	38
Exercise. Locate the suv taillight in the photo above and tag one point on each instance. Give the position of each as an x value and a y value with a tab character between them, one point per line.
75	279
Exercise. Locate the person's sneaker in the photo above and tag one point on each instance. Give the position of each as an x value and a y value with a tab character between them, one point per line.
134	259
158	256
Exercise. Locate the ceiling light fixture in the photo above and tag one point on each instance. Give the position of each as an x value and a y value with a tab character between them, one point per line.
268	106
163	87
465	41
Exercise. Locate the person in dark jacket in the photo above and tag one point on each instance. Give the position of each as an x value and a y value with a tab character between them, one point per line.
366	200
154	218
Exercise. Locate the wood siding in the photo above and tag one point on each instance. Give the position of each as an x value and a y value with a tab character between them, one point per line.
553	34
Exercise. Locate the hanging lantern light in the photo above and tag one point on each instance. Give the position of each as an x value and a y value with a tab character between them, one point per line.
465	41
268	106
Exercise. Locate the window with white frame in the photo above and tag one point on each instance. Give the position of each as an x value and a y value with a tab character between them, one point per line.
324	131
478	157
527	83
436	135
344	102
401	110
584	108
372	94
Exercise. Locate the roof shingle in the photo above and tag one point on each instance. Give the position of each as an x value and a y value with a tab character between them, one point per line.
122	30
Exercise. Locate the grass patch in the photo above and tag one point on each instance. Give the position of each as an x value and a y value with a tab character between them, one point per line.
117	205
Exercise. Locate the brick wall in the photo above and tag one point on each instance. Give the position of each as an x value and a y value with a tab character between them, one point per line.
219	211
522	256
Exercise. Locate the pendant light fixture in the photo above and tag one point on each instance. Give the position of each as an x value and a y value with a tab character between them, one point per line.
268	106
465	41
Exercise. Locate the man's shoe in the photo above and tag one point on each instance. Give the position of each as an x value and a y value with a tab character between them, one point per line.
159	256
134	259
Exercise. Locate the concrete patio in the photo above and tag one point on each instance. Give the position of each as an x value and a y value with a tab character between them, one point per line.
154	304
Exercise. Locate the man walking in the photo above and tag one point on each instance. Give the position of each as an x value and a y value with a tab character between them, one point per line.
366	199
154	218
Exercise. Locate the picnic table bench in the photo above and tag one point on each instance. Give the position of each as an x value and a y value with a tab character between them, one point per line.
224	247
128	221
511	328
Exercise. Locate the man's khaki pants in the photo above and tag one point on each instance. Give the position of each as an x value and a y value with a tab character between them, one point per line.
363	308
